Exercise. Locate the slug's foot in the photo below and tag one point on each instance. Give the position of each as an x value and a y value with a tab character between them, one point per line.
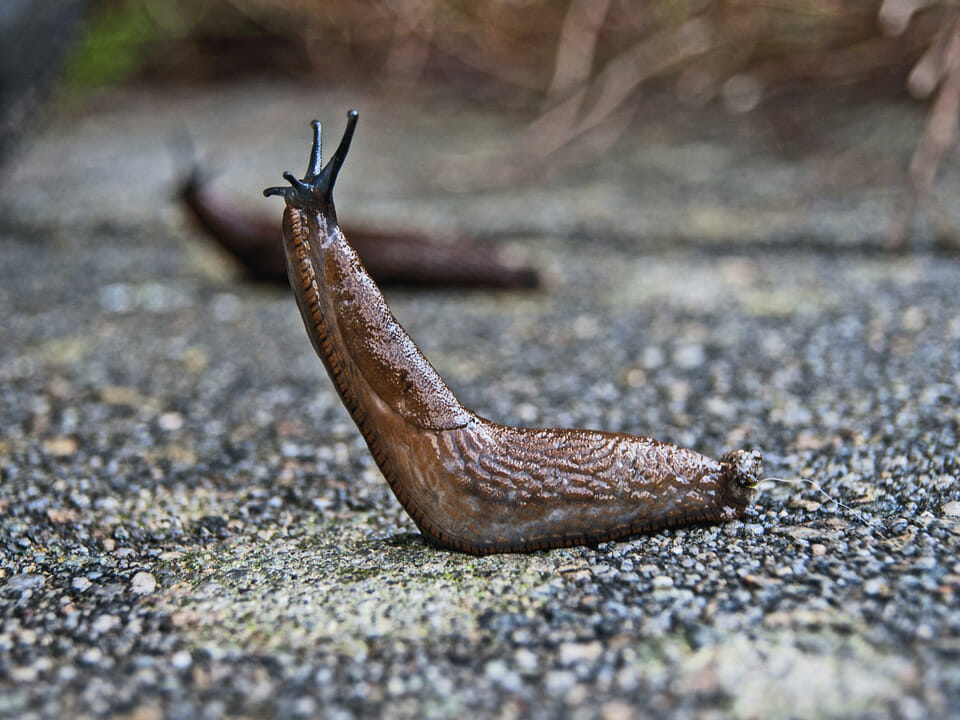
316	187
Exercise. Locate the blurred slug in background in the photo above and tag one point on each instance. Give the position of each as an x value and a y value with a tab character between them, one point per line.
414	259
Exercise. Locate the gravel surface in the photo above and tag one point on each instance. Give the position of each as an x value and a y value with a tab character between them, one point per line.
190	525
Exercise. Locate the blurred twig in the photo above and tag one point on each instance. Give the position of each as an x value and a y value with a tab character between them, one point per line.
410	46
583	64
596	99
938	71
576	46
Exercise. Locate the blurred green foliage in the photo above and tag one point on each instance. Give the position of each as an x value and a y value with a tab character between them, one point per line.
112	47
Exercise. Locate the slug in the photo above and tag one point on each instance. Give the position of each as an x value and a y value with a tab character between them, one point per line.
391	257
246	237
468	483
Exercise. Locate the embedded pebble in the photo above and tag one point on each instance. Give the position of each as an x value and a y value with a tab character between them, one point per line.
80	583
22	583
143	583
574	653
181	660
951	509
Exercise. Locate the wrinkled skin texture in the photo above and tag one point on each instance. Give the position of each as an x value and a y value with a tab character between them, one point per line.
468	483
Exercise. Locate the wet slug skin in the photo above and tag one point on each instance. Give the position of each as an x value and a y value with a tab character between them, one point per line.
468	483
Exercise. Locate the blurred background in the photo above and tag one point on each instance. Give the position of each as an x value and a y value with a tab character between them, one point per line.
740	219
575	71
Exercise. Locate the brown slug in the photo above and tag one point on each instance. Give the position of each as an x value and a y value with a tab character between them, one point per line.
391	257
468	483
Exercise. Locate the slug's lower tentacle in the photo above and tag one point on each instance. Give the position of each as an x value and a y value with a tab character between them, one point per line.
468	483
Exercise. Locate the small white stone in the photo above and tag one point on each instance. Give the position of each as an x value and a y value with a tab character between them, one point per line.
104	623
652	357
951	509
559	681
226	307
395	687
80	583
93	656
23	674
495	670
305	707
527	412
925	632
143	583
526	660
498	672
181	660
170	421
117	298
689	356
618	710
573	653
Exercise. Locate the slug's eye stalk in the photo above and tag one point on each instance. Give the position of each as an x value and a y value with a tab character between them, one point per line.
316	187
316	152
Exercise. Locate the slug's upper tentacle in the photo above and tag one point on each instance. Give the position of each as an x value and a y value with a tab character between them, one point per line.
316	153
328	176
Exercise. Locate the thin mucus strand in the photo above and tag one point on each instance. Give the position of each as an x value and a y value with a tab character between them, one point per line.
819	488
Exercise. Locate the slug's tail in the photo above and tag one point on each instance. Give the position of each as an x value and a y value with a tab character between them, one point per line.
742	470
316	187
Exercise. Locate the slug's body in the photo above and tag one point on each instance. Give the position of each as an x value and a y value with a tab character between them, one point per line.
251	240
468	483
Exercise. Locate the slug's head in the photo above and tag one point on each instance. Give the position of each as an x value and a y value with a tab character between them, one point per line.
741	471
315	190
